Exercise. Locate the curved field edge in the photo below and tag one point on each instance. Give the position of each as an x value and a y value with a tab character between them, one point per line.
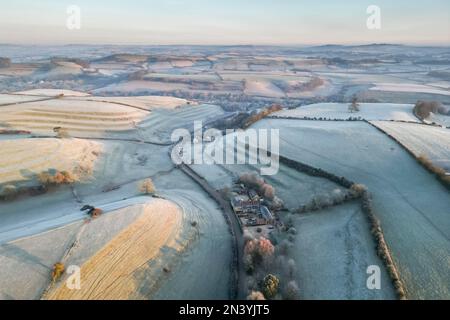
421	159
382	248
113	272
411	207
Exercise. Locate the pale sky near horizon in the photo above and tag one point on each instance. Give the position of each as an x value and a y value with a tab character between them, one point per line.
277	22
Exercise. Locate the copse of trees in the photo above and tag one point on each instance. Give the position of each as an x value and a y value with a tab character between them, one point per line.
270	286
48	178
422	109
255	117
57	271
147	187
257	252
265	190
270	271
254	181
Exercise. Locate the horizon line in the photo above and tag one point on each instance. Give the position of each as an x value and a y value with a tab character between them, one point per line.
356	44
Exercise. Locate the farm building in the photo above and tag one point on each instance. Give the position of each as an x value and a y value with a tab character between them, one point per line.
262	217
253	195
243	204
266	215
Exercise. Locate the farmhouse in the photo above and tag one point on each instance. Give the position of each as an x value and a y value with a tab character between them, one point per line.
253	195
249	208
243	204
262	217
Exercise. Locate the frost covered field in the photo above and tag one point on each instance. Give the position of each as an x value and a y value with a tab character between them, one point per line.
339	111
411	204
179	234
422	140
332	248
336	241
30	157
91	126
400	87
78	118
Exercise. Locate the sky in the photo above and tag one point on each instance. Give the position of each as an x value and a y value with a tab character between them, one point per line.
228	22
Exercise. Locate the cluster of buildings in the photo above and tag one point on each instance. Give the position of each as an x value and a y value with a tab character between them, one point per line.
248	206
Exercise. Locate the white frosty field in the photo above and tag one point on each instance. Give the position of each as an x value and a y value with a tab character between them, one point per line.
431	141
113	188
339	111
135	86
411	204
25	160
186	249
111	124
126	258
159	126
150	227
77	117
211	249
263	88
333	249
145	102
408	87
224	175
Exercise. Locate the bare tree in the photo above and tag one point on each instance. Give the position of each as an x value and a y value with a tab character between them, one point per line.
147	186
354	105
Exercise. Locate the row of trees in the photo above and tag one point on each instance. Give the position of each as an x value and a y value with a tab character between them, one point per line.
254	181
326	200
46	180
270	273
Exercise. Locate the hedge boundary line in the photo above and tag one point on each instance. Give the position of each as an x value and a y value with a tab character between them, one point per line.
439	177
376	230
